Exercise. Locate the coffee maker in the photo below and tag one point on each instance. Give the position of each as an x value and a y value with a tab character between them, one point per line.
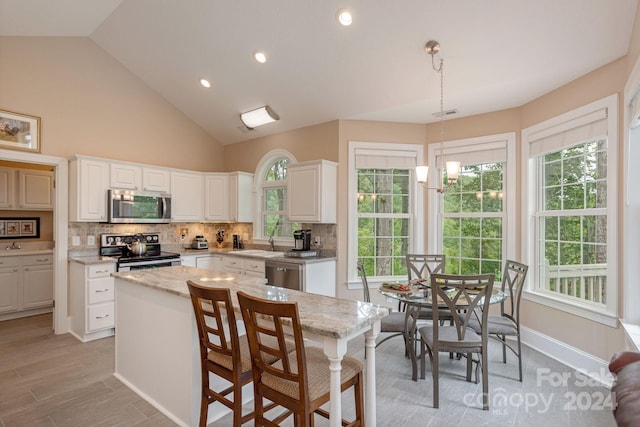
302	240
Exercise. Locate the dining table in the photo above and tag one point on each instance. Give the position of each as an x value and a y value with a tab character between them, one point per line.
418	292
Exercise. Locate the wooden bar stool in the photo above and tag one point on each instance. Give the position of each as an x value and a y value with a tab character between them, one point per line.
298	381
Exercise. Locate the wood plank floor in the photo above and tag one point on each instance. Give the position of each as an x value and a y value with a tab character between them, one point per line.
56	381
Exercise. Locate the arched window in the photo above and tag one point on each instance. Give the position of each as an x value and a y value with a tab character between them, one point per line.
271	180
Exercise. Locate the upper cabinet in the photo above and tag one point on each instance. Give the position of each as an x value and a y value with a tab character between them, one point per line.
7	176
195	196
156	180
35	189
124	175
26	189
311	191
88	185
186	196
228	197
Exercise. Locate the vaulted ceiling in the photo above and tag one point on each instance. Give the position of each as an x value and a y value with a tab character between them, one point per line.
497	54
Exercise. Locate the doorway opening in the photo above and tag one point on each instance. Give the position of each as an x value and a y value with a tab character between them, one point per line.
58	229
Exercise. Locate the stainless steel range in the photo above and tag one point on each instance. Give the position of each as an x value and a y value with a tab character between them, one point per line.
150	256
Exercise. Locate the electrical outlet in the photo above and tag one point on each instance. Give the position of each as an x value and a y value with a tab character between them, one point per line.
316	240
182	236
75	241
91	240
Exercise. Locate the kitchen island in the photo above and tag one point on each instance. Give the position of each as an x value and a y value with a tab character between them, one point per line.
157	352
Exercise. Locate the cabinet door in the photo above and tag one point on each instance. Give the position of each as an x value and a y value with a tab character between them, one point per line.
126	176
204	262
35	190
8	289
37	286
303	200
89	181
312	191
156	180
186	196
188	260
217	197
242	197
6	188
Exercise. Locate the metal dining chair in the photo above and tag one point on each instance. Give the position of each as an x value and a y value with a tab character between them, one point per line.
507	323
422	266
394	323
448	294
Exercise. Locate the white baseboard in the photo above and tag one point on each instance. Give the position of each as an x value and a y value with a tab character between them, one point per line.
577	359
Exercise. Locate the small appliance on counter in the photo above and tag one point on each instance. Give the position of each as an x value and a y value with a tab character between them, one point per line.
302	240
199	242
237	243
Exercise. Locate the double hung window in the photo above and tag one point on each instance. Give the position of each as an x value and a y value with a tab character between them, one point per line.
383	205
572	209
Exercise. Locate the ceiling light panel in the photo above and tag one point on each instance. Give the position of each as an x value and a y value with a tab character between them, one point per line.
258	117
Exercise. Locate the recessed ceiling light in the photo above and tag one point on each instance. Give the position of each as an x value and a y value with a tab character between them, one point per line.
344	17
205	83
260	56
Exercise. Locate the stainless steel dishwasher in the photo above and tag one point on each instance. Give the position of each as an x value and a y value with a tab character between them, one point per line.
284	274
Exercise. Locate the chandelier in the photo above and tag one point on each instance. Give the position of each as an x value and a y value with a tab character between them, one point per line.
453	168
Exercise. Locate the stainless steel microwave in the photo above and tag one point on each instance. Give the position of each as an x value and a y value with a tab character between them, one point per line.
136	207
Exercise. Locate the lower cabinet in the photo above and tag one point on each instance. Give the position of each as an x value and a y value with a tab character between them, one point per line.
26	285
92	305
244	266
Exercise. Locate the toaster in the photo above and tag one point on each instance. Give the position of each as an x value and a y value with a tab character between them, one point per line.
200	243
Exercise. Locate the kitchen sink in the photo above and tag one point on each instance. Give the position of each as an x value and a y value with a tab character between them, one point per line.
258	253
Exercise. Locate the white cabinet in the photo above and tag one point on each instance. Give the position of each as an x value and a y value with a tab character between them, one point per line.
229	197
311	191
126	176
216	205
92	305
210	262
37	281
35	189
26	189
7	176
244	266
156	180
186	195
320	277
9	284
88	185
26	285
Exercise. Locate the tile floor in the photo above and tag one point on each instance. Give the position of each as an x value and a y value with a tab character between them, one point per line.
54	380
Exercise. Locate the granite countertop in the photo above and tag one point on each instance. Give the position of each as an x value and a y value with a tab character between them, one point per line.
327	316
20	252
232	252
95	259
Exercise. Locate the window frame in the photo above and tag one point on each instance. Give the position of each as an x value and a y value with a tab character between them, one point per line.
530	184
416	205
455	150
260	185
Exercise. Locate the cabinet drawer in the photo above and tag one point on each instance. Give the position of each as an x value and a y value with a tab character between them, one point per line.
254	266
101	316
9	261
46	259
232	263
101	270
101	289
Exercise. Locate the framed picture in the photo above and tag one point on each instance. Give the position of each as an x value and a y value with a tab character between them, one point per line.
19	131
20	228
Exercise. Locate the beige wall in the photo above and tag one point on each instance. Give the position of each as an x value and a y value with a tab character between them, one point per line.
308	143
90	104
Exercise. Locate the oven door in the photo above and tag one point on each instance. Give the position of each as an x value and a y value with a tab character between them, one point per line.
141	265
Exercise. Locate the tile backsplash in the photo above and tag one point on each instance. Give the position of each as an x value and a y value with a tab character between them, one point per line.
170	234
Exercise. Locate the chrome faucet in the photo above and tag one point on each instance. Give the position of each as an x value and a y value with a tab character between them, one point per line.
273	231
